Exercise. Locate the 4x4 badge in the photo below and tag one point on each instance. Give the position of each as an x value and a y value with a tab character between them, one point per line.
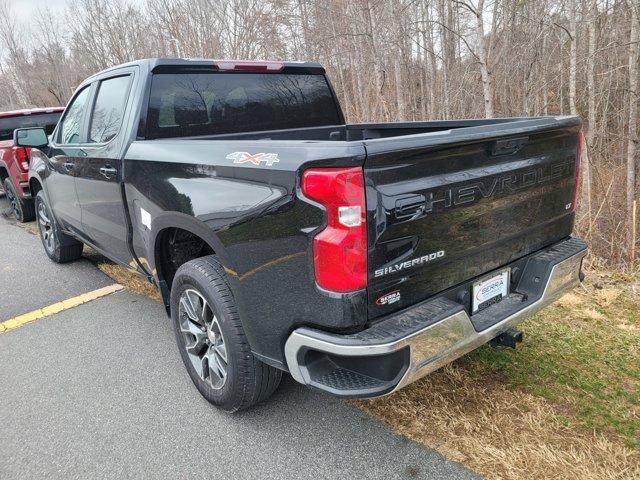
256	158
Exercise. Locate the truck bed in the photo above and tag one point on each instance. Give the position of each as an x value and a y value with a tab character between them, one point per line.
479	193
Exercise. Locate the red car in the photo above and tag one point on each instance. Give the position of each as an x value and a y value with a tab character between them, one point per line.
14	161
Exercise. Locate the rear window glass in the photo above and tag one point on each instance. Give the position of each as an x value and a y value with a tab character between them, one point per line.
46	120
192	104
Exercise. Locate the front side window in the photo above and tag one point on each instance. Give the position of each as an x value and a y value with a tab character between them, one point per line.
193	104
108	110
72	122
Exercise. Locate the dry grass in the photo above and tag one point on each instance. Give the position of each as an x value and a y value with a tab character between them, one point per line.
129	279
500	432
565	405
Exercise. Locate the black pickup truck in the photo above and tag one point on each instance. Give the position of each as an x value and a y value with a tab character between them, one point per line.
357	257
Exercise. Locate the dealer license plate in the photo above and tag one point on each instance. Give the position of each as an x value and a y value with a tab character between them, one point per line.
490	290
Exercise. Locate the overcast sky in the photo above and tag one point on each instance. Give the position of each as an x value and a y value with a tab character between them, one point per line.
24	9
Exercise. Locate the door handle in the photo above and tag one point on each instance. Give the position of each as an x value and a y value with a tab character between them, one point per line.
108	171
68	166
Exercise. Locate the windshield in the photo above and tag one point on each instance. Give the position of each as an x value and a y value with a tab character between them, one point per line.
192	104
46	120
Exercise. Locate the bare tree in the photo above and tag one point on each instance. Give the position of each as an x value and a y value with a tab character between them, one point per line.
632	142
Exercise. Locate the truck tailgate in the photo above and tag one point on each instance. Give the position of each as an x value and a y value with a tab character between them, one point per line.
448	206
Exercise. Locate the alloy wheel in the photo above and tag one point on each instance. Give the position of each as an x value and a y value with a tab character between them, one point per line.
46	228
203	338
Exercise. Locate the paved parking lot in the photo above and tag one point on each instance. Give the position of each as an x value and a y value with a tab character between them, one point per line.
99	391
28	280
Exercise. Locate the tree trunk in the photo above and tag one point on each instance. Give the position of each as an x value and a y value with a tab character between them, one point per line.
632	140
591	91
573	58
485	72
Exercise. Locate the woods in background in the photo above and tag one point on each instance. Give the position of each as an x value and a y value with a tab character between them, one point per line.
388	60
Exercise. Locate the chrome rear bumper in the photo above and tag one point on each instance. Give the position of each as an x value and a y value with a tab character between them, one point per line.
397	351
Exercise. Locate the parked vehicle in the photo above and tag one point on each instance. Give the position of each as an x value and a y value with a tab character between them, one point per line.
14	160
356	257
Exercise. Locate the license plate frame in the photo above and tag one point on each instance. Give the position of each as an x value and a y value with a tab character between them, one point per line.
490	290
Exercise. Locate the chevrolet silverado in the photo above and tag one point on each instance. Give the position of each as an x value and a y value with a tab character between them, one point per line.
356	257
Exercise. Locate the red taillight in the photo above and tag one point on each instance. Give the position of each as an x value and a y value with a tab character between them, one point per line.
22	157
581	150
340	250
249	66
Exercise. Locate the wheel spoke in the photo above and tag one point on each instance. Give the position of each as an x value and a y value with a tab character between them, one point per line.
194	300
218	345
203	312
200	365
217	367
222	366
188	308
221	350
196	347
43	214
189	327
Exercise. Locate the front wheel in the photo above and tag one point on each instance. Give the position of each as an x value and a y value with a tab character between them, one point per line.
59	247
211	340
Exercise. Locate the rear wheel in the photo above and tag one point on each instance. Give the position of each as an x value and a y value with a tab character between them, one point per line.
59	247
211	340
22	209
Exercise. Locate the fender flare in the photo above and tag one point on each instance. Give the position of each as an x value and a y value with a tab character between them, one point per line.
186	222
35	172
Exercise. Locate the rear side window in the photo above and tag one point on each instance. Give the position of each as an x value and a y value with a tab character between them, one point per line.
192	104
47	121
70	128
108	109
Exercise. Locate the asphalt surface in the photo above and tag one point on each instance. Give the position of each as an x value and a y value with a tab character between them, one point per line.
29	280
99	391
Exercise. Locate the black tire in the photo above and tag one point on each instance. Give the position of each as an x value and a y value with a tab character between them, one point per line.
247	380
58	246
23	210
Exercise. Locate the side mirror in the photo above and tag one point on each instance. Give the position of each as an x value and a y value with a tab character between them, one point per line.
30	137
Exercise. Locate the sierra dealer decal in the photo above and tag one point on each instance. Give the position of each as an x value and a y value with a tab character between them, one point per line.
268	159
389	298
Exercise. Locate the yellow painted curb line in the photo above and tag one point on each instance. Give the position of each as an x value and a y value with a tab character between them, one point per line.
25	318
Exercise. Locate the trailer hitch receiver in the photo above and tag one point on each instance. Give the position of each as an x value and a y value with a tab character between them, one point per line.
509	338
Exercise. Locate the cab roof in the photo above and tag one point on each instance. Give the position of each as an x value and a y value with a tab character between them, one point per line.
163	65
